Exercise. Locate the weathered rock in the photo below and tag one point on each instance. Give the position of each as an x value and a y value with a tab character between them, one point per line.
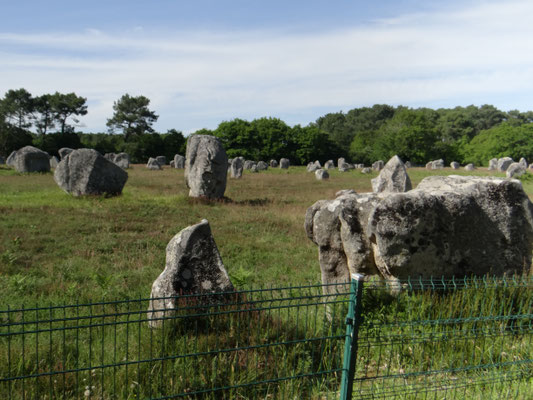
311	167
329	164
366	170
153	164
321	174
254	168
11	158
64	151
408	164
162	160
284	163
273	164
172	164
429	165
378	165
193	266
31	159
447	226
87	172
359	166
248	164
503	163
393	178
493	164
110	156
523	162
437	164
345	191
236	168
179	161
205	167
469	167
343	167
262	166
455	165
340	161
515	169
53	162
122	160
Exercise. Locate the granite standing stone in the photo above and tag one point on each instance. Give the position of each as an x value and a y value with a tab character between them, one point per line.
284	163
321	174
236	168
515	170
179	161
31	159
504	163
393	178
64	151
273	164
262	166
470	167
153	164
455	165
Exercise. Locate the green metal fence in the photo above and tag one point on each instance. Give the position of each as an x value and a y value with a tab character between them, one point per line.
434	339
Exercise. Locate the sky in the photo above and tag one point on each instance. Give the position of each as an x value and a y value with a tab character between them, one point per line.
206	61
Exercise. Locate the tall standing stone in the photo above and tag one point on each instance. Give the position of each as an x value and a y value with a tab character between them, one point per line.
179	161
329	164
284	163
262	166
393	178
493	164
504	163
273	164
236	168
206	167
31	159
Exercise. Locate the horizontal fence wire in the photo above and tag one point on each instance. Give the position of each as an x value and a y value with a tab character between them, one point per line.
418	339
262	343
446	339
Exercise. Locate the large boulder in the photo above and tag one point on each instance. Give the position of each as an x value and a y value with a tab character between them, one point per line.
284	163
248	164
206	167
31	159
153	164
515	169
193	266
179	161
64	151
447	226
237	165
87	172
504	163
393	178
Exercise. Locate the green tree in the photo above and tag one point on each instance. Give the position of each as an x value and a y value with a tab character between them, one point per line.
312	144
237	139
132	116
65	106
17	107
12	138
45	119
173	143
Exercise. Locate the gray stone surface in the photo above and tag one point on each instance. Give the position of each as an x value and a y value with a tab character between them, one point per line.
172	164
248	164
153	164
329	164
254	168
408	164
236	168
31	159
340	161
321	174
205	167
455	165
366	170
11	158
470	167
437	164
344	167
64	151
87	172
110	156
262	166
447	226
312	167
523	162
193	266
162	160
273	164
122	160
179	161
393	178
53	162
515	170
493	164
284	163
504	163
378	165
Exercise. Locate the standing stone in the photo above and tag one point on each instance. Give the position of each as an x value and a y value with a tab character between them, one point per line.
311	167
179	161
110	156
503	163
31	159
343	167
493	164
11	159
329	164
284	163
87	172
408	164
429	165
172	164
469	167
236	168
366	170
254	168
64	151
437	164
262	166
153	164
454	165
321	174
393	178
248	164
523	162
122	160
273	164
359	166
205	167
378	165
340	161
515	169
53	162
193	266
162	160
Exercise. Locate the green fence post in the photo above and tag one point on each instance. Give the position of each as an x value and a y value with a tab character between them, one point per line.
353	320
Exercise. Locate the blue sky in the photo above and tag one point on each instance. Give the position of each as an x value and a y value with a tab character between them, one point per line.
202	62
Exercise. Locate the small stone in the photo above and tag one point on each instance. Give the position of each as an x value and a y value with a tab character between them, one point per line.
321	174
284	163
153	164
455	165
162	160
469	167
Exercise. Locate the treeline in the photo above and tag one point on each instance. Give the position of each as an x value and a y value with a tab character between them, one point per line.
361	135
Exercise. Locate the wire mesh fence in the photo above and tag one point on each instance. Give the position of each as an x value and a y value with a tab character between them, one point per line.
419	339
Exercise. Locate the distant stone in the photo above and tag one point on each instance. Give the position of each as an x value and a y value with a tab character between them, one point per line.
262	166
437	164
504	163
236	168
122	160
344	167
359	166
31	159
493	164
11	159
284	163
248	164
429	165
162	160
470	167
329	164
321	174
393	178
366	170
455	165
64	151
311	167
523	162
345	192
53	162
153	164
193	266
179	161
254	168
407	164
172	164
378	165
110	156
515	169
273	164
87	172
340	161
205	167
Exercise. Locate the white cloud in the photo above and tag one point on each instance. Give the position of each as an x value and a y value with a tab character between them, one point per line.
482	53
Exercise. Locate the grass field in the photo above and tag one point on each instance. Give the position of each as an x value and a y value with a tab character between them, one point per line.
55	247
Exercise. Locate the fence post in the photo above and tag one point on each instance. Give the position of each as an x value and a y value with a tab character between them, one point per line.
353	320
